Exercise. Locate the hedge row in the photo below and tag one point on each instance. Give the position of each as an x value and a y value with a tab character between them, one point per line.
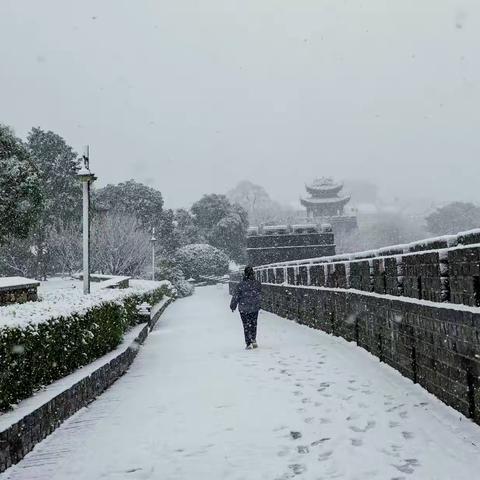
38	354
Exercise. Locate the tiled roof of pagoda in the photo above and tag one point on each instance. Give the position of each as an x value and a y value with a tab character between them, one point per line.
323	186
307	202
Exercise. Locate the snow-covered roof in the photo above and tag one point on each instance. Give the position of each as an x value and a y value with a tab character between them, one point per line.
323	185
325	201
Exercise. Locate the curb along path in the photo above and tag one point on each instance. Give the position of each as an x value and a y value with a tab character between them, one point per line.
37	417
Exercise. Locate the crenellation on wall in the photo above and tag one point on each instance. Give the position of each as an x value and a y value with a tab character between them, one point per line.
464	275
447	275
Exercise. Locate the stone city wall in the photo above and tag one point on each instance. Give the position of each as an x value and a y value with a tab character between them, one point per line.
416	307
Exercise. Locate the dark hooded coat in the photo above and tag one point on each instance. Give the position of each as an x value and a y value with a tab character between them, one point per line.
247	296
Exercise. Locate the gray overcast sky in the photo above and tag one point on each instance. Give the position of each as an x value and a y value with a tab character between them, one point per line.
191	96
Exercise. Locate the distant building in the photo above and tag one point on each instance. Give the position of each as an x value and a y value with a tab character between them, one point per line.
282	243
326	204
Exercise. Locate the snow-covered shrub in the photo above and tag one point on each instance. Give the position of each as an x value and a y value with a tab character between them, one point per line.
201	259
168	269
36	354
184	288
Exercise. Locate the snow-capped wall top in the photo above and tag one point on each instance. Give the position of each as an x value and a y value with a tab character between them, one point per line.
13	283
462	239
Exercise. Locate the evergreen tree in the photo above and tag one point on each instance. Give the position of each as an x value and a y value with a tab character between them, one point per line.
133	198
454	218
20	188
56	163
222	224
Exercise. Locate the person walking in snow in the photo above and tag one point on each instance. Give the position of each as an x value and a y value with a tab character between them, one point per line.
248	298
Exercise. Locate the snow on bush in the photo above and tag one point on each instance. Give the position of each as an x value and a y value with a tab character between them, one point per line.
201	259
167	268
41	342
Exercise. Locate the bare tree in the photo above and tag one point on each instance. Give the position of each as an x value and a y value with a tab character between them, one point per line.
65	244
17	257
119	245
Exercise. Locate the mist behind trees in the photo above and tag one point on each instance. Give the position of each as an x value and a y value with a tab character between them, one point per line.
381	222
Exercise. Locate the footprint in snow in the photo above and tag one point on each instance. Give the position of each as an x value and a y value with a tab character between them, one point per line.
408	435
303	449
353	416
400	405
297	468
369	426
322	457
320	441
323	386
408	466
356	442
295	435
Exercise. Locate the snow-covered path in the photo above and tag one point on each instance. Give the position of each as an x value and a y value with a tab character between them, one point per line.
195	405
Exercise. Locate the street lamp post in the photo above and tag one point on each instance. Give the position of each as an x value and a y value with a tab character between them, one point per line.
153	240
87	178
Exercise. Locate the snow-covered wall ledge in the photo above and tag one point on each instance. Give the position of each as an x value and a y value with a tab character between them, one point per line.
17	290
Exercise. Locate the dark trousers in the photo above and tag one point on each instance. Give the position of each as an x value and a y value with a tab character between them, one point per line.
249	326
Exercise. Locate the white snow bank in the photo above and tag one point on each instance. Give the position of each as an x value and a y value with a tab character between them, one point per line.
63	302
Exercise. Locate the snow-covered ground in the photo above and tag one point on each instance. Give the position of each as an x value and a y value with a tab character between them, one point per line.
195	405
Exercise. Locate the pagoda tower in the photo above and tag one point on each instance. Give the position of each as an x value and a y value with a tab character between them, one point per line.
325	199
